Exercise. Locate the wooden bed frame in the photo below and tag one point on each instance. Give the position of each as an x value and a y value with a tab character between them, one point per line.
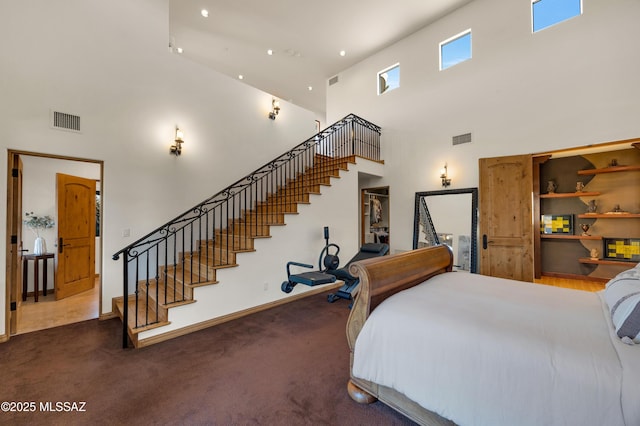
380	278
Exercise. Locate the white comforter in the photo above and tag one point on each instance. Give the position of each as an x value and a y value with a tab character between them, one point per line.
487	351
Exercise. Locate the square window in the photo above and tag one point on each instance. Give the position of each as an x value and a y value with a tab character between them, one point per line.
389	79
545	13
455	50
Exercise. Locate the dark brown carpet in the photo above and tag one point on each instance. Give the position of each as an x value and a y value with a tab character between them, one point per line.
284	366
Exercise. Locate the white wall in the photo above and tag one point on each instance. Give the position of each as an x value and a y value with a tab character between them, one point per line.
569	85
108	62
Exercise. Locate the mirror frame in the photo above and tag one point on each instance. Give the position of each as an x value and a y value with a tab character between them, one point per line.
474	219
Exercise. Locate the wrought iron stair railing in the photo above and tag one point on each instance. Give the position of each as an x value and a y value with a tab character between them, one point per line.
162	268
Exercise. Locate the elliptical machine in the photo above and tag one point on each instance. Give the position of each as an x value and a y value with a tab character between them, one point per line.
326	262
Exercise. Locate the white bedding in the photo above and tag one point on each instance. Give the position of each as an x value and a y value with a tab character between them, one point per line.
489	351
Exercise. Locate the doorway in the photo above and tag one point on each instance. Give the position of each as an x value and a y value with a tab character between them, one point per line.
38	194
374	217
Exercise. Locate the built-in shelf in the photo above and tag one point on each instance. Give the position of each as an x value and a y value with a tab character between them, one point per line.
570	237
606	262
609	215
550	248
569	194
608	170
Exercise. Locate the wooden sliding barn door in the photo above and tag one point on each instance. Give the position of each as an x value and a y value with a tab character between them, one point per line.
506	221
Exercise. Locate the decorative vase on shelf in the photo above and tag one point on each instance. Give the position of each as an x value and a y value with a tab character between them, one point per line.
40	246
585	229
36	223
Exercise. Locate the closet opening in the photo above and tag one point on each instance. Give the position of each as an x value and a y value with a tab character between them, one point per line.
375	215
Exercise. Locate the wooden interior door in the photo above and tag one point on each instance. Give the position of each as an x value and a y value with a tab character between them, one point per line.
506	217
76	202
14	243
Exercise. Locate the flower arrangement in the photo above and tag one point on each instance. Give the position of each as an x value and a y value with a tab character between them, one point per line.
36	222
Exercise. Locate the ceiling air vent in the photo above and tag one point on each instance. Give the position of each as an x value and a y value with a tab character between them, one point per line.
333	80
460	139
63	121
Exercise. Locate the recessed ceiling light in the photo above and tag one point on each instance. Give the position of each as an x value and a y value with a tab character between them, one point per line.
343	53
179	49
310	88
205	13
269	52
240	77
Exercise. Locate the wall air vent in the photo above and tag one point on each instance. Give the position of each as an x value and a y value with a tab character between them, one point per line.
63	121
460	139
333	80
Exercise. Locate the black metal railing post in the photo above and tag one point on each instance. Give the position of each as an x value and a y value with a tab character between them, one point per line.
125	309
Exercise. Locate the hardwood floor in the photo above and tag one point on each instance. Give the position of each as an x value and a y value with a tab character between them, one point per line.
48	312
570	283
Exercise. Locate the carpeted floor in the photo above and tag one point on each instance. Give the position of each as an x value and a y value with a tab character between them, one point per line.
284	366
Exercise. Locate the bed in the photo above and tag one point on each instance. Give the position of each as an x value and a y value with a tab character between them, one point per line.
447	347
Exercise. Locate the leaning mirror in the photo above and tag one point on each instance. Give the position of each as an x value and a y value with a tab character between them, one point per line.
449	217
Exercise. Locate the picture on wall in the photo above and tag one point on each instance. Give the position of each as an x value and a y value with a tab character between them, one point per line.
625	249
556	224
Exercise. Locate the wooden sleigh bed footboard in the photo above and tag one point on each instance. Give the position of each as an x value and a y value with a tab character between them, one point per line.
381	278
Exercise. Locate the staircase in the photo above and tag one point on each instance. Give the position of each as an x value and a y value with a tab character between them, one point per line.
162	269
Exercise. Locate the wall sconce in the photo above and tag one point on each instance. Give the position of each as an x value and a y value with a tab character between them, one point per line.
446	181
275	109
177	148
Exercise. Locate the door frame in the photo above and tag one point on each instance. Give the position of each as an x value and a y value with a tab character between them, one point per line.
13	233
14	287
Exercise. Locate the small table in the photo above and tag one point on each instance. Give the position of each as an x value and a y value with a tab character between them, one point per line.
36	273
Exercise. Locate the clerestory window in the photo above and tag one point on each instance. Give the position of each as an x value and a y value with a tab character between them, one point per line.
545	13
455	50
389	79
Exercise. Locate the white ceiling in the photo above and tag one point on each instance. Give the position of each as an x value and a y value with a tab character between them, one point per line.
306	38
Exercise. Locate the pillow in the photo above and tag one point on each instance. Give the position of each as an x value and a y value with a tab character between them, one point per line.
622	295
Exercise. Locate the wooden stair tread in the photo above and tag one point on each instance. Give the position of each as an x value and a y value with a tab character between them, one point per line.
207	257
240	250
190	279
203	284
206	282
218	244
131	326
199	283
174	295
180	303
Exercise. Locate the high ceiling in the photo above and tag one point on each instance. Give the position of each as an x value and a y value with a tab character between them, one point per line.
305	37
